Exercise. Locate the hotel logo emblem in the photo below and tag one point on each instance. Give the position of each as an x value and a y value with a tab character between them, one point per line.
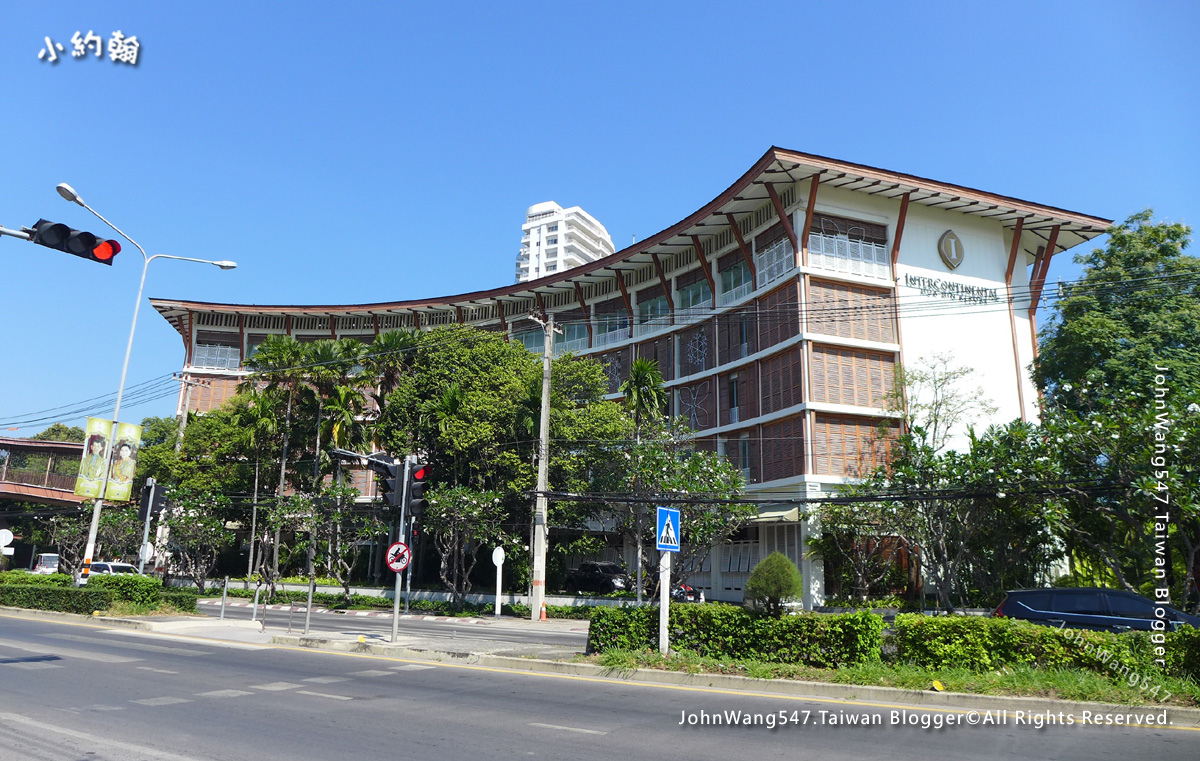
951	249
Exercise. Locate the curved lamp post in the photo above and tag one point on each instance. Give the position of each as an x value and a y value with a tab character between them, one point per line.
68	192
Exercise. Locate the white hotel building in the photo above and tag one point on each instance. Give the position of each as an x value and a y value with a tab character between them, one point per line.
554	239
777	312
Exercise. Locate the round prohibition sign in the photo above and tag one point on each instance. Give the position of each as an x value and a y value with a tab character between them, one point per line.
398	557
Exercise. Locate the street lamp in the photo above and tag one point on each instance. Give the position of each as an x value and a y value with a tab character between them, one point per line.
68	193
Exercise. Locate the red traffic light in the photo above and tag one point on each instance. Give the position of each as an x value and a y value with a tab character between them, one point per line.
105	250
420	473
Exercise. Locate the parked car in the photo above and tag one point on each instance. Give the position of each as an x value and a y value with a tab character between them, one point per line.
685	593
598	576
114	568
46	562
1112	610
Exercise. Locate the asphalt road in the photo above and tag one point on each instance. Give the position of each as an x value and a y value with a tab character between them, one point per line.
79	691
501	631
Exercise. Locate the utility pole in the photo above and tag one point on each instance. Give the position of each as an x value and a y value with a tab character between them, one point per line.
538	596
187	402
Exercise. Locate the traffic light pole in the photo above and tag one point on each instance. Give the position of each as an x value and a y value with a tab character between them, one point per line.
402	531
153	484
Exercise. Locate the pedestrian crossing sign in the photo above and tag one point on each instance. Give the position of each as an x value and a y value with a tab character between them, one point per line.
667	531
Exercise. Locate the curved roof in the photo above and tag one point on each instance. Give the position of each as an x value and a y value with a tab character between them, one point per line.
777	167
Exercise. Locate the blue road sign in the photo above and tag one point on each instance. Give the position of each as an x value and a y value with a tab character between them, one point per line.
667	531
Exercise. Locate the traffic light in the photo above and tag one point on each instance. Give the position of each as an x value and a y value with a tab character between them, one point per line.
154	500
417	475
86	245
388	470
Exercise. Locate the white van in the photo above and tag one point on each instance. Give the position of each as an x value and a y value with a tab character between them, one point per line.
47	562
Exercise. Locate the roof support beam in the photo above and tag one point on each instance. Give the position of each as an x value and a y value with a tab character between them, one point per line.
625	295
1012	318
712	286
458	313
737	233
783	216
662	278
899	231
587	318
541	304
375	318
1040	268
808	218
500	311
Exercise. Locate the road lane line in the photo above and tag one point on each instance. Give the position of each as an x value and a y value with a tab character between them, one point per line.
91	742
372	672
131	645
223	694
568	729
274	686
411	667
157	671
323	695
326	679
163	701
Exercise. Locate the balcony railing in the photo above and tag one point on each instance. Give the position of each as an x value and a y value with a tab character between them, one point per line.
611	337
689	315
577	345
742	291
773	261
734	415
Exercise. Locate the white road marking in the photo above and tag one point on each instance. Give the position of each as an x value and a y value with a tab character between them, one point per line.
105	708
568	729
323	695
223	694
157	671
412	667
64	652
327	679
84	743
371	672
274	686
164	701
32	665
132	645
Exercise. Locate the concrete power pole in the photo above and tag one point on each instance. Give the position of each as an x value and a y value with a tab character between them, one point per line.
538	596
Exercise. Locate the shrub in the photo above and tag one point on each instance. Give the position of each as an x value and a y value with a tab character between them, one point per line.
37	579
65	599
138	590
729	631
180	599
1183	653
772	582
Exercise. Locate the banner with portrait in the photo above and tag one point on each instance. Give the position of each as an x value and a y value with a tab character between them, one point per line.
90	480
123	467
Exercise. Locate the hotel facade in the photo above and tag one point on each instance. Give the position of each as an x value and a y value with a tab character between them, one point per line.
778	313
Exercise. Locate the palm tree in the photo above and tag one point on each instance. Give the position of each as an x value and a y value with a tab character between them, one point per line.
323	370
258	420
440	413
646	398
279	362
386	360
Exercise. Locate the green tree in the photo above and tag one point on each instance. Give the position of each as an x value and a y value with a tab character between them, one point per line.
196	522
1137	306
645	398
61	432
773	582
461	521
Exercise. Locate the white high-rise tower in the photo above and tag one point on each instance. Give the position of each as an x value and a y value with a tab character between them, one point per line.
555	239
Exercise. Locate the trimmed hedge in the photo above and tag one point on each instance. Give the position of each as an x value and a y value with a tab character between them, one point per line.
180	599
729	631
131	588
982	643
82	600
37	579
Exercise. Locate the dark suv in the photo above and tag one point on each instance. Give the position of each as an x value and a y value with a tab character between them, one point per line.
1112	610
598	576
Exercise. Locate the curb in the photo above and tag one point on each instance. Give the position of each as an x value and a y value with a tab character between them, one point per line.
890	697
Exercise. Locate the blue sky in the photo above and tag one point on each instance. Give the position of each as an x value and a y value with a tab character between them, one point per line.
378	151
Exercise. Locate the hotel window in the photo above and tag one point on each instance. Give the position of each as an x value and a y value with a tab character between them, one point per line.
552	228
217	350
846	245
252	342
697	295
654	313
551	267
533	340
551	241
734	411
551	253
735	282
773	255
